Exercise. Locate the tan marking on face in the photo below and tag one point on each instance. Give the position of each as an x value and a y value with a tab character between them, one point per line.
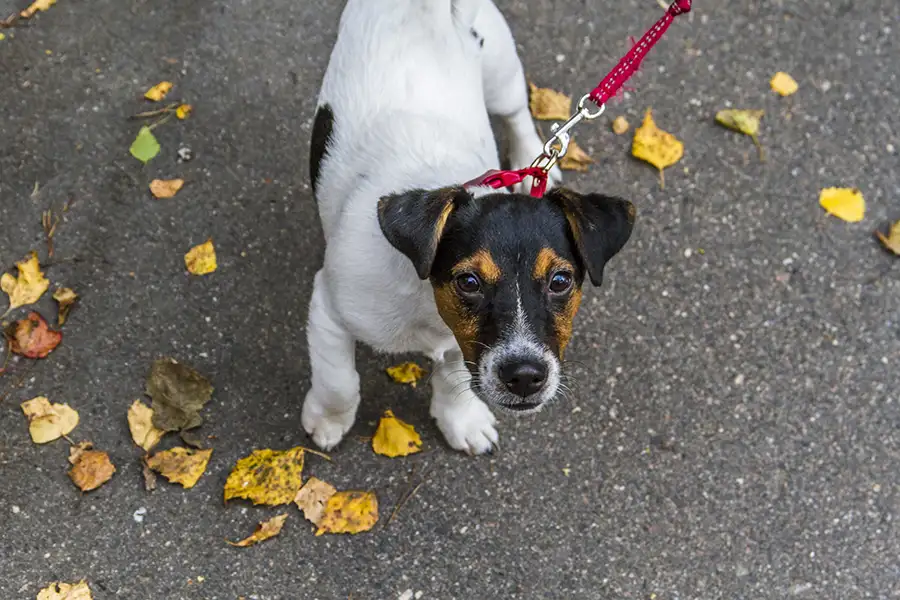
564	320
441	223
463	325
482	264
548	262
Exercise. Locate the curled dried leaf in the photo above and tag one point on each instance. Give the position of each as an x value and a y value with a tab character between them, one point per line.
65	297
264	531
140	423
91	469
312	499
891	241
165	188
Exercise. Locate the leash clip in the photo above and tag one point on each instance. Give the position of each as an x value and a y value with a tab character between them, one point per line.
558	144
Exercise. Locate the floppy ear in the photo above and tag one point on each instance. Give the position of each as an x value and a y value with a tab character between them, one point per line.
600	225
414	221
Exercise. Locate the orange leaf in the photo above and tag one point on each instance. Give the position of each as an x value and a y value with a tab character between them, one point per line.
31	337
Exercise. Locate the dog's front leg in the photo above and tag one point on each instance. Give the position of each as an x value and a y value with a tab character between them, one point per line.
330	406
466	422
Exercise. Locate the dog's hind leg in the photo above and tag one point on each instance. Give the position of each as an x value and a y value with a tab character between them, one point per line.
465	420
330	406
505	89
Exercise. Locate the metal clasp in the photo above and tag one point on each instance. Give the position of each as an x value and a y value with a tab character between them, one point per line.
558	144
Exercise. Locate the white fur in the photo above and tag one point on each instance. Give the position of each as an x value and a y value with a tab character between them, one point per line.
411	89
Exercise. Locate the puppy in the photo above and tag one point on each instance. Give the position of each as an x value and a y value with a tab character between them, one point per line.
486	284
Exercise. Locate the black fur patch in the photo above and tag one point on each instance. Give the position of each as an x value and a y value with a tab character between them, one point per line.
318	147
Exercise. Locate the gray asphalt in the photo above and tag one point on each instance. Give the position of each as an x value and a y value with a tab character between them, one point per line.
735	432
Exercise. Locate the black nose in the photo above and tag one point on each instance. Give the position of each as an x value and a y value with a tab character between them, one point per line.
523	378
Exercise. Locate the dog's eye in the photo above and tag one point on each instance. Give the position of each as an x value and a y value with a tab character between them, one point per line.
560	282
468	283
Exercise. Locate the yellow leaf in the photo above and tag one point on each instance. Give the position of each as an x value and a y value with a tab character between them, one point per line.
48	422
659	148
158	91
201	260
892	240
549	105
620	125
312	499
784	84
844	203
29	286
408	372
743	121
38	5
91	468
575	159
65	297
349	512
267	477
140	422
180	465
395	438
265	530
165	188
66	591
184	111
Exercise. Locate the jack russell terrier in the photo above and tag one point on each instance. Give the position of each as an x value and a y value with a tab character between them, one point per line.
486	284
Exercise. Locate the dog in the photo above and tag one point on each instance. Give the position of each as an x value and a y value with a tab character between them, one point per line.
485	283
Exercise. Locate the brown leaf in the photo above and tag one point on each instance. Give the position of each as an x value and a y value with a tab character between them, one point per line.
65	297
165	188
149	475
31	337
265	530
91	469
549	105
178	393
312	499
77	450
891	241
180	465
575	159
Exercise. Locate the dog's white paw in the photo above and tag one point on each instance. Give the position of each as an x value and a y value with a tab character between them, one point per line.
467	425
327	429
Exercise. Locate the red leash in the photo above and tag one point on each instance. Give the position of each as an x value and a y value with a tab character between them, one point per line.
608	88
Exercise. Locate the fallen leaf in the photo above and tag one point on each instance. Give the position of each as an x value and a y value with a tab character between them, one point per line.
149	475
48	422
313	497
395	438
158	91
784	84
140	422
575	159
165	188
178	392
265	530
66	591
31	337
620	125
28	286
549	105
201	260
38	5
844	203
192	439
408	372
184	111
144	147
349	512
65	297
891	241
267	477
91	469
180	465
743	121
77	450
659	148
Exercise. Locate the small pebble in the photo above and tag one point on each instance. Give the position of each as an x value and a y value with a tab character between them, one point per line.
139	515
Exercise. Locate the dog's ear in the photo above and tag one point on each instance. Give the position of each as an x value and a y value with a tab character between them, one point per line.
600	225
413	222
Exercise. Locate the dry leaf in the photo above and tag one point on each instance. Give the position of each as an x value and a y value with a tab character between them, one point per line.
407	372
575	159
91	469
312	499
265	530
31	337
659	148
844	203
149	475
784	84
892	240
184	111
201	260
178	393
743	121
267	477
140	422
549	105
620	125
66	591
180	465
77	450
395	438
349	512
30	284
65	297
165	188
48	422
158	91
38	5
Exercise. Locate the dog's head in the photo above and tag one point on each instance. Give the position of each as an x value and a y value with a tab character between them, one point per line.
507	271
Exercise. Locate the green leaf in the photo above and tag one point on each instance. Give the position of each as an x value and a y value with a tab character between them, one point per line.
145	146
